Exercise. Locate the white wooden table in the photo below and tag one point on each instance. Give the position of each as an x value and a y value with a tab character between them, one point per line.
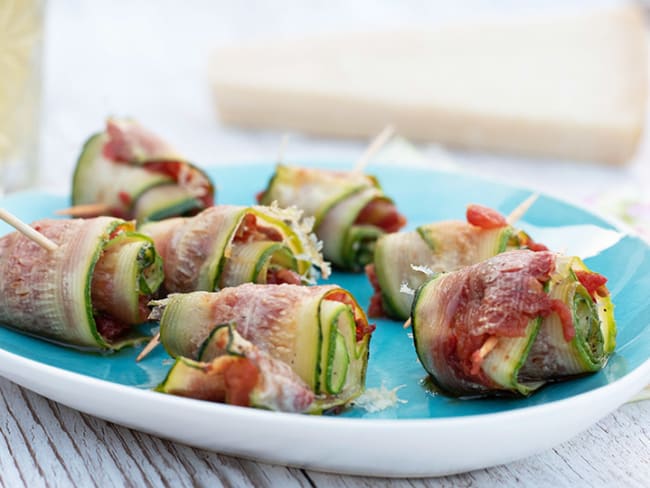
149	61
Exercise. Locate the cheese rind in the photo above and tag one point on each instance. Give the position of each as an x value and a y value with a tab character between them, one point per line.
571	87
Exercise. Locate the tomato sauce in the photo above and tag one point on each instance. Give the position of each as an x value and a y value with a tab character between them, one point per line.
383	214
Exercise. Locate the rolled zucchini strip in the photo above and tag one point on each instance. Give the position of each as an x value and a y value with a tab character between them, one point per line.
228	245
319	331
592	313
241	375
136	175
410	258
350	210
87	293
513	323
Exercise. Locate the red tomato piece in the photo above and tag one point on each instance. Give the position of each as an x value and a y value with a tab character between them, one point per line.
484	217
383	214
240	377
593	282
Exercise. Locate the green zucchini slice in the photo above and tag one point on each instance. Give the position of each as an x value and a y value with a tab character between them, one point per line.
593	322
320	332
511	324
153	183
229	245
87	293
166	201
411	258
341	204
128	269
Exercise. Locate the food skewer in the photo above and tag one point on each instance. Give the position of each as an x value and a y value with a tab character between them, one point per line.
521	209
377	143
349	208
382	138
318	336
144	177
564	327
151	345
283	148
513	217
87	293
235	235
85	210
27	231
400	258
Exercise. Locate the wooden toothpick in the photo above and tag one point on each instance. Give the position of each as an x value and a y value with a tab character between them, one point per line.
155	340
377	143
27	231
283	148
86	210
521	209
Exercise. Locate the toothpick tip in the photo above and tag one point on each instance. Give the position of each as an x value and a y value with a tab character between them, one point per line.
521	209
377	143
85	210
155	340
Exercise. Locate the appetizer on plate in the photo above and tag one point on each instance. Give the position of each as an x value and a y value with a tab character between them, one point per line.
320	332
228	245
349	208
128	172
404	260
89	292
513	323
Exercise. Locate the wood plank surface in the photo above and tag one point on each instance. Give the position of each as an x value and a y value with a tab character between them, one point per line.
45	444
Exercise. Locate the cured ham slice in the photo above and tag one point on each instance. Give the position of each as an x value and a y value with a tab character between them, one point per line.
512	323
134	174
228	245
410	258
320	332
350	210
89	292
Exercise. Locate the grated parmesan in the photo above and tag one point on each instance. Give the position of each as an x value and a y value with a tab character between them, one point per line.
378	399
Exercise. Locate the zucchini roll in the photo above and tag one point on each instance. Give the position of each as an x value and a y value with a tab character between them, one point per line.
242	374
407	259
136	175
89	292
228	245
350	210
319	331
512	323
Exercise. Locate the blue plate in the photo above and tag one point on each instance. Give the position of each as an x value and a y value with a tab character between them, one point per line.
423	196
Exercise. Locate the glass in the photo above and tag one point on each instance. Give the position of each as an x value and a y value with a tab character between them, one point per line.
21	36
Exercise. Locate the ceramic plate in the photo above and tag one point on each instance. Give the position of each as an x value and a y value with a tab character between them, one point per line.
423	433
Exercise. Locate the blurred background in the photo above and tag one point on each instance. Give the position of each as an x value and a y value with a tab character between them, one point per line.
150	60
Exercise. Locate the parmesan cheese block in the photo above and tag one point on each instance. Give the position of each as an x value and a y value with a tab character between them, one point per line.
571	87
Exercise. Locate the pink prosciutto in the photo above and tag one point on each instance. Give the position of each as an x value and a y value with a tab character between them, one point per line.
198	251
70	295
476	306
320	332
